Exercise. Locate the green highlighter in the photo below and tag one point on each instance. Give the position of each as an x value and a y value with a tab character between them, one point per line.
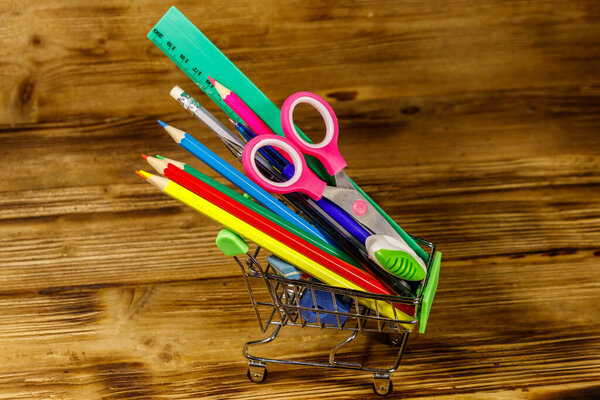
199	58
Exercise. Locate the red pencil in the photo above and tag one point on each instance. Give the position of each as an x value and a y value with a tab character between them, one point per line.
347	271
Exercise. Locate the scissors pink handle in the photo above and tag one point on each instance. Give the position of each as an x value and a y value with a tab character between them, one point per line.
303	180
326	151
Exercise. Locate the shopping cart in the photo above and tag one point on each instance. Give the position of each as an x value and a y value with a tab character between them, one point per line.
303	304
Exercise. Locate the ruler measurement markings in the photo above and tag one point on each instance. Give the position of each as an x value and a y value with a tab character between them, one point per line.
186	64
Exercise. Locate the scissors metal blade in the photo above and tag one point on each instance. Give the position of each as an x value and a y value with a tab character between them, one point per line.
345	199
343	181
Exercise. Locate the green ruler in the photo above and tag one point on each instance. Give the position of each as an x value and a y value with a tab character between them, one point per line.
177	37
199	58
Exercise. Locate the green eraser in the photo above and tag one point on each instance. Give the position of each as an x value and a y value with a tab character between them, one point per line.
230	243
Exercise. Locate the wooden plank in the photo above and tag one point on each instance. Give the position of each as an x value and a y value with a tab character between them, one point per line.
474	124
74	64
557	127
183	340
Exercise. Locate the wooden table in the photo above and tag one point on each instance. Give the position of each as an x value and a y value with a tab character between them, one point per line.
474	124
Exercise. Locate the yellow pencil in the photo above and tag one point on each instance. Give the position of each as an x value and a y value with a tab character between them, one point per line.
246	230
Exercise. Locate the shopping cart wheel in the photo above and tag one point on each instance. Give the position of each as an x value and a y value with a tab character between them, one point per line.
395	339
257	373
382	385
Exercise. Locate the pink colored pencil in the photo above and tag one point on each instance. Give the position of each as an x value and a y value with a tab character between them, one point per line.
241	109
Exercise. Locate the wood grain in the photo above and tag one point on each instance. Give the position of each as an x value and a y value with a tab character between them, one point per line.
473	124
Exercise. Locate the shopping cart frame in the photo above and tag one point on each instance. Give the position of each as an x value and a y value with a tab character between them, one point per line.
284	309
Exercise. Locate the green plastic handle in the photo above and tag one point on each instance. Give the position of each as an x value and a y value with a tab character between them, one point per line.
401	264
428	295
230	243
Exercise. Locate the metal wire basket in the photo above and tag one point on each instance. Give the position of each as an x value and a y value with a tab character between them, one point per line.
304	304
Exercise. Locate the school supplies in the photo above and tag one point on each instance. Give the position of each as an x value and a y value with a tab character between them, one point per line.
382	254
244	229
393	255
231	141
205	191
398	258
199	58
190	104
315	241
186	141
241	109
350	230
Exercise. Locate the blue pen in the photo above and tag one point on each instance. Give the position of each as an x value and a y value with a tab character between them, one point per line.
186	141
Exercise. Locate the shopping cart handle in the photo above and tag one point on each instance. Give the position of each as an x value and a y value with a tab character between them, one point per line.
230	243
429	293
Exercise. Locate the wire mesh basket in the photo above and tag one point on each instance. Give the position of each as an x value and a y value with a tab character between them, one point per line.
280	302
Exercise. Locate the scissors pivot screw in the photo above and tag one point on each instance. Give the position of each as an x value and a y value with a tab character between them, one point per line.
360	207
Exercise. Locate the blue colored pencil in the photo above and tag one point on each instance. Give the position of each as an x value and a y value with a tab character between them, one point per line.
202	152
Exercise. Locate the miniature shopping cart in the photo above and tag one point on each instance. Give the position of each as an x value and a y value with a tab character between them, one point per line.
304	304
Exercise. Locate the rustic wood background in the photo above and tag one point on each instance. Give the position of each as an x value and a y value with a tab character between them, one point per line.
474	124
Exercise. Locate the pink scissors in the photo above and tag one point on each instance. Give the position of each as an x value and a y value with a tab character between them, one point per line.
384	244
304	180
